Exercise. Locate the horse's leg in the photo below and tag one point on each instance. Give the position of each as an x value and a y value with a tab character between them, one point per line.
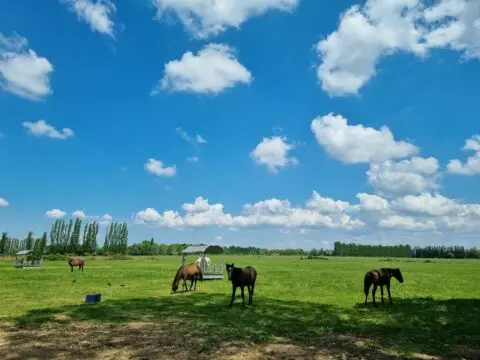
389	295
71	268
234	289
373	294
191	282
243	296
381	292
249	287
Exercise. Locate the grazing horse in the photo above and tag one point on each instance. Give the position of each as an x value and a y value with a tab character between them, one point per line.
185	272
380	277
241	278
76	262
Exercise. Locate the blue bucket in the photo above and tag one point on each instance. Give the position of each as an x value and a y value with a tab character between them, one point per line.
93	298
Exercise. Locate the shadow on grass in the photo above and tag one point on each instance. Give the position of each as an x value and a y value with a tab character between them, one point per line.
442	328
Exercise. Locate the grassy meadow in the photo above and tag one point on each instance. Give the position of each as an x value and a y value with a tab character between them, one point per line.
302	309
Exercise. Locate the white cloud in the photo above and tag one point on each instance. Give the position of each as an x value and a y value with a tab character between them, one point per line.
373	203
213	70
22	71
156	167
204	18
41	128
425	212
97	14
198	139
271	212
426	203
356	143
349	55
273	152
105	220
79	214
326	205
398	222
410	176
3	202
193	159
55	214
472	165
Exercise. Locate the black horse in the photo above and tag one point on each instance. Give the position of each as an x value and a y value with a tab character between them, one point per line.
380	277
241	278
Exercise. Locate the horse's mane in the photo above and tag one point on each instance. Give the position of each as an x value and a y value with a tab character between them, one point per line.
176	279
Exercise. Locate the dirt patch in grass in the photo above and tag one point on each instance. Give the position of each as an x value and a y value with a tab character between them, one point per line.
171	340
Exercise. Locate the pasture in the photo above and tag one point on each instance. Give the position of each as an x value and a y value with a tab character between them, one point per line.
305	309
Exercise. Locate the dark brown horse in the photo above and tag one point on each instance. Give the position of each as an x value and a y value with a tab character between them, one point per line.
76	262
186	272
241	278
380	277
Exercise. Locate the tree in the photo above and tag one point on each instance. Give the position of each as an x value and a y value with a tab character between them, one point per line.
3	243
30	241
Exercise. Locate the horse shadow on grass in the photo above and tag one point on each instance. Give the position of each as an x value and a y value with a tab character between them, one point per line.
200	324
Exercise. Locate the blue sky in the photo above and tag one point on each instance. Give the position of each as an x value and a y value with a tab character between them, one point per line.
276	123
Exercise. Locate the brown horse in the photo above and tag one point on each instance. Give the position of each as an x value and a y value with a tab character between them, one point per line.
241	278
380	277
76	262
186	272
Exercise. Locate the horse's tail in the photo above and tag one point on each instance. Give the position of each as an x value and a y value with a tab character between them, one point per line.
367	281
177	277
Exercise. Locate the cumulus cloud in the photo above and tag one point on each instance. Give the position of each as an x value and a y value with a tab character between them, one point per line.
366	33
372	203
326	205
22	71
271	212
156	167
273	152
212	70
55	214
406	223
204	18
79	214
41	128
410	176
3	202
424	212
353	144
97	14
105	220
472	165
193	159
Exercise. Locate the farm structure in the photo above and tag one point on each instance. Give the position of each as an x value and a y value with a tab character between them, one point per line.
211	271
22	260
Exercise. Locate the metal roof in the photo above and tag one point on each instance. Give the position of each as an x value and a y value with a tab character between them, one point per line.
210	249
24	252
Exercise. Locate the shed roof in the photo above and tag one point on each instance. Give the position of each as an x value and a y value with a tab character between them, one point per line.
24	252
208	249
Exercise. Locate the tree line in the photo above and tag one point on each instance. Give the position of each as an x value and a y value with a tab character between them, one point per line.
428	252
68	238
10	246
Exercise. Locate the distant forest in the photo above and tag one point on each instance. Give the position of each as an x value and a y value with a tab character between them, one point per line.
69	238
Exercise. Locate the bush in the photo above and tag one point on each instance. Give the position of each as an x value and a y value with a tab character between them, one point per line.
120	257
55	257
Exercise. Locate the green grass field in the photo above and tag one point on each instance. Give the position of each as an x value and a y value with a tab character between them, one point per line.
309	307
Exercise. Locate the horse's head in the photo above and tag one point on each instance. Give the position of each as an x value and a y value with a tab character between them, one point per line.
229	270
397	274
